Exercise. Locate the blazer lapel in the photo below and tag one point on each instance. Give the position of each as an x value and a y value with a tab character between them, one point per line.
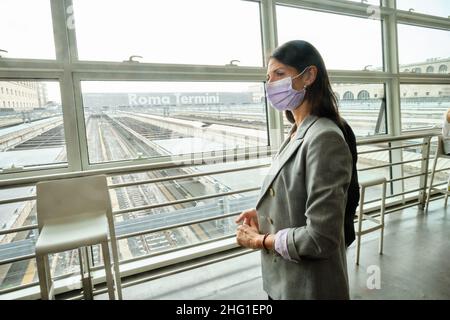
283	156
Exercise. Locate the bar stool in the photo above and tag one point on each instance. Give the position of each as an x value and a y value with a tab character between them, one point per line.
73	214
379	223
439	154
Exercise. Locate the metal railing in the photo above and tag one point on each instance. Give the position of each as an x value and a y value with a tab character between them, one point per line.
393	206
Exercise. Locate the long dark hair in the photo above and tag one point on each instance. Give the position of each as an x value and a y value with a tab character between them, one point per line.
300	54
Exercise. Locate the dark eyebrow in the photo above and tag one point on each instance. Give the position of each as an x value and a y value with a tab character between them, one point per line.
277	69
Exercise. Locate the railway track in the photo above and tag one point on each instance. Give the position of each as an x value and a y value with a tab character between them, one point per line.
111	139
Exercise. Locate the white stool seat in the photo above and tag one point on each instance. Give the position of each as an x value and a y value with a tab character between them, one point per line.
64	234
72	214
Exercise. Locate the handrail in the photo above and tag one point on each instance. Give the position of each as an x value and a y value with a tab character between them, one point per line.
171	178
267	151
156	180
393	148
391	164
18	229
177	225
181	163
389	138
140	168
186	176
172	203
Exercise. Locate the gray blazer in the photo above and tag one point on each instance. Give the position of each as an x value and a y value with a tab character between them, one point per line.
306	190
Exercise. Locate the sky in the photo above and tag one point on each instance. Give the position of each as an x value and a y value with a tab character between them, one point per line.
210	32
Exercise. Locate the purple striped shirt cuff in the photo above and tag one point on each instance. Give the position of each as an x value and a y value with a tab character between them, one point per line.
281	245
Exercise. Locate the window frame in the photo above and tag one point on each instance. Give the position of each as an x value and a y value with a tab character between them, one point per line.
69	71
421	82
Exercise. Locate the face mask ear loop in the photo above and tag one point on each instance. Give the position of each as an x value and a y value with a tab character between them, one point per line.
297	76
301	73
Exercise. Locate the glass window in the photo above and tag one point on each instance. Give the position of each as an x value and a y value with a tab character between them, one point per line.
362	106
365	108
423	106
27	30
432	7
179	189
423	49
63	264
409	169
350	44
348	95
10	278
131	120
34	134
211	32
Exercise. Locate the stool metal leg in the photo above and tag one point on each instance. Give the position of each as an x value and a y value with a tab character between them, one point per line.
85	272
45	281
108	270
383	205
446	193
431	183
117	279
360	218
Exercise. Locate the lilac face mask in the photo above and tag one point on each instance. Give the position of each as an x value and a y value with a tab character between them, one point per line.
282	96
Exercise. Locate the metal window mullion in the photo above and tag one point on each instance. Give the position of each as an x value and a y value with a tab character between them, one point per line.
66	85
43	65
82	133
356	76
390	53
275	123
18	72
423	20
108	75
7	177
337	6
424	80
91	68
70	31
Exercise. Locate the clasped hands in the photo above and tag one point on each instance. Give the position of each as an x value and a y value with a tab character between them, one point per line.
247	234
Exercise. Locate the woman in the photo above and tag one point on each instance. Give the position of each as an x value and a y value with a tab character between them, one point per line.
299	216
446	134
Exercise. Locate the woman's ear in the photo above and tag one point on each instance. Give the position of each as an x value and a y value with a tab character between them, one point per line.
311	75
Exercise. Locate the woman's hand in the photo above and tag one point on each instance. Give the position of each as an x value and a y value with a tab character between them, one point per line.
249	217
249	237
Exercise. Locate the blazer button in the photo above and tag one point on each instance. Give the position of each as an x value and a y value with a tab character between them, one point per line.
269	220
272	193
